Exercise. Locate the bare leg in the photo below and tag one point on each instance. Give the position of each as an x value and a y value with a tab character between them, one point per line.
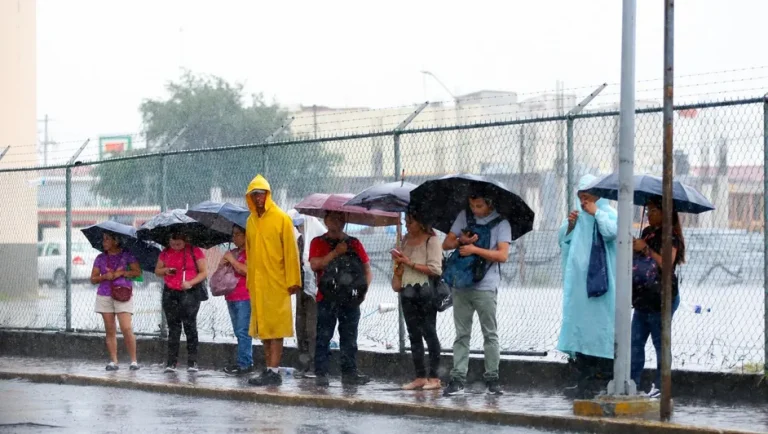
267	352
111	328
276	353
124	318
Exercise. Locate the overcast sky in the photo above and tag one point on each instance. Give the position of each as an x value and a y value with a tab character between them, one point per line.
97	60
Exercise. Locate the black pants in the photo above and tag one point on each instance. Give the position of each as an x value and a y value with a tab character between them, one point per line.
421	321
180	309
348	317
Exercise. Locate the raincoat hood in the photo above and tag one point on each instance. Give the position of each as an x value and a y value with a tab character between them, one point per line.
259	183
585	182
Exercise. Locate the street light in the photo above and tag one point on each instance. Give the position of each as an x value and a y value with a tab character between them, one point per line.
457	111
456	100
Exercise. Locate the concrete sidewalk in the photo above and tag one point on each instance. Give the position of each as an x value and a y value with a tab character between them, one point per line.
517	407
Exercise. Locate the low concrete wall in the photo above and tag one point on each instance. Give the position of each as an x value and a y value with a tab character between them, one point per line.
547	376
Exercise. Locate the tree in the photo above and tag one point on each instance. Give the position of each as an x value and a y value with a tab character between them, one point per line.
205	112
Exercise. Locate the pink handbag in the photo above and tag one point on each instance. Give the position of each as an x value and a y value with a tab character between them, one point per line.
224	280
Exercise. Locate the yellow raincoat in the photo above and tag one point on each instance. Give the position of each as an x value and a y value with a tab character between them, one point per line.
273	266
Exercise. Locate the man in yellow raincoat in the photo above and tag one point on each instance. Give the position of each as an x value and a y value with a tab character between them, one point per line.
273	276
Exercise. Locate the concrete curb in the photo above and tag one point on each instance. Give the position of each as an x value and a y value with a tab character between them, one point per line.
565	423
393	366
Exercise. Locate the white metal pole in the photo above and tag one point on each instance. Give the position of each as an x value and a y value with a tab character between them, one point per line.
622	384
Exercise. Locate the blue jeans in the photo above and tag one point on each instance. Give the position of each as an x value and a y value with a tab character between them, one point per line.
348	317
645	323
240	313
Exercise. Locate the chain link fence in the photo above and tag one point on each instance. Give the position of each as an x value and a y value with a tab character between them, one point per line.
719	150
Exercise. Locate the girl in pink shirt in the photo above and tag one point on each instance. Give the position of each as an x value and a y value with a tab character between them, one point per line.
239	304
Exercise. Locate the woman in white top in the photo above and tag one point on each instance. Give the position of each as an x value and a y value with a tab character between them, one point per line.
421	258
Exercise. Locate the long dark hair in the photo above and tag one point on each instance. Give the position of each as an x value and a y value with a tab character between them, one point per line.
677	231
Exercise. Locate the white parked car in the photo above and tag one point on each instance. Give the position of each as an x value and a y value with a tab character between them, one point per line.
52	260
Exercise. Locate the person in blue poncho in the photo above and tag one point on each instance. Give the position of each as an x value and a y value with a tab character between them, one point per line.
588	242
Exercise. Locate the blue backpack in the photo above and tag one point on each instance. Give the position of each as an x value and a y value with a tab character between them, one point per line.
465	271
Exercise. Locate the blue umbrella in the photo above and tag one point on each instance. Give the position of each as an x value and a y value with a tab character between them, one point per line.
392	197
144	252
685	198
439	201
219	216
160	228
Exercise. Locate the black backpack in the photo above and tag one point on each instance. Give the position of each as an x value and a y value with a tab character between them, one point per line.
343	280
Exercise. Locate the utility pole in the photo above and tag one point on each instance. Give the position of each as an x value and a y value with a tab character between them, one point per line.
46	139
314	121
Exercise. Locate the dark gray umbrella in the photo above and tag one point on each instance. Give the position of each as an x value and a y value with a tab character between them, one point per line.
439	201
160	227
143	251
219	216
391	197
685	198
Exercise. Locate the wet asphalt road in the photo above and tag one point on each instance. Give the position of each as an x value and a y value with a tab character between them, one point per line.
47	408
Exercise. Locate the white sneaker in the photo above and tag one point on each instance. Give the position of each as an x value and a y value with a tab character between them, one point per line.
654	393
112	366
134	366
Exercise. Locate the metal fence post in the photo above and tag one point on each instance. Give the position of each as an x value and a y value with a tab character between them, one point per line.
569	162
68	229
765	239
68	233
163	208
398	171
400	315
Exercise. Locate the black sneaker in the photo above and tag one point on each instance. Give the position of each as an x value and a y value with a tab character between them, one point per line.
322	381
112	366
232	370
267	378
192	367
236	370
355	379
455	387
494	388
170	367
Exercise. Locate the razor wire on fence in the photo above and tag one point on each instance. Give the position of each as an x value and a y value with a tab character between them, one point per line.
719	149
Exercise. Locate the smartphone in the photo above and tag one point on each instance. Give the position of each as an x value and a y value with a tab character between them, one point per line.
395	252
171	271
468	232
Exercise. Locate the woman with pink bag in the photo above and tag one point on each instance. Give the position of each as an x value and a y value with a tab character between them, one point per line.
239	304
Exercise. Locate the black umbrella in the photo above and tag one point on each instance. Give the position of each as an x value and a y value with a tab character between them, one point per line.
392	197
685	198
439	201
219	216
143	251
160	228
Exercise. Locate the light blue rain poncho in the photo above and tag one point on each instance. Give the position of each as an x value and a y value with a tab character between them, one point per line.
588	323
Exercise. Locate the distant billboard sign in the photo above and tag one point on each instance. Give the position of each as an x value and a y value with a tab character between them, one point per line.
112	146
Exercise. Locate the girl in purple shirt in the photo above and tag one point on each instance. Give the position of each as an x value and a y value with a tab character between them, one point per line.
115	267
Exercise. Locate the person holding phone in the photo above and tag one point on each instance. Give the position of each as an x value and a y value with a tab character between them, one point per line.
420	259
182	267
